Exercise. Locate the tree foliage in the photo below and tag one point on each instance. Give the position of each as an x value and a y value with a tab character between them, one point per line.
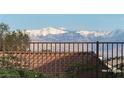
4	28
13	40
17	41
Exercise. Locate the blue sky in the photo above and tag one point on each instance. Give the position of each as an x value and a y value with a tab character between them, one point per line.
103	22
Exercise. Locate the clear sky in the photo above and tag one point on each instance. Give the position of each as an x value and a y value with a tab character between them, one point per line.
69	21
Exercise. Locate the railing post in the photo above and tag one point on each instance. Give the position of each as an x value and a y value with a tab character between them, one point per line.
97	57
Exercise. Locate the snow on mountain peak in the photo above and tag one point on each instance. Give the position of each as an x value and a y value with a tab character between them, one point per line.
61	34
93	33
46	31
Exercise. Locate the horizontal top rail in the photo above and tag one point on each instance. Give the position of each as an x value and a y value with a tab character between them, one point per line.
62	42
73	42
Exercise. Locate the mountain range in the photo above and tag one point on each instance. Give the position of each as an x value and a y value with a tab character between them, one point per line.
51	34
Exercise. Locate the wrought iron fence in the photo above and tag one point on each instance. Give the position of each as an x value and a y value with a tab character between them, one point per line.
67	59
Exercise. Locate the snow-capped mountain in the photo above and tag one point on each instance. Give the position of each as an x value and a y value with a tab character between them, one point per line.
46	31
63	35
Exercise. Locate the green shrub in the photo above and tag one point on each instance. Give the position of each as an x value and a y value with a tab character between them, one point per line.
77	69
9	73
30	74
19	73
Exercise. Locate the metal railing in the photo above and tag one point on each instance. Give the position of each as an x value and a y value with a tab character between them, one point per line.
82	59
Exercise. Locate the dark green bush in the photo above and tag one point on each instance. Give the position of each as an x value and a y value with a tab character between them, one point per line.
9	70
22	73
9	73
77	69
30	74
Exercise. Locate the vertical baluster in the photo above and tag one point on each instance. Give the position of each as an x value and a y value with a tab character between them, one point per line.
78	56
83	52
38	64
117	60
121	59
87	64
107	59
102	57
29	55
42	70
91	75
97	57
55	61
51	64
46	54
33	54
69	53
112	58
59	52
73	52
64	56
